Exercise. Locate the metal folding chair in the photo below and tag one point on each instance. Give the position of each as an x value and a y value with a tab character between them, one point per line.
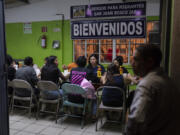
102	108
74	89
45	86
22	86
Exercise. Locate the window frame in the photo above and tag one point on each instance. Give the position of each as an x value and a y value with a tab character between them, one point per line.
114	45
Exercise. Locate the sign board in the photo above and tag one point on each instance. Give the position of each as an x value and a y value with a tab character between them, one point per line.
116	28
109	10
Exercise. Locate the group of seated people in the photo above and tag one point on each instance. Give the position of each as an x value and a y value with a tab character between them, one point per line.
93	72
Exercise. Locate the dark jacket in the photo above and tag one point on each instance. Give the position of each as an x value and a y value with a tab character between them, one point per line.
125	70
51	73
11	71
111	97
93	73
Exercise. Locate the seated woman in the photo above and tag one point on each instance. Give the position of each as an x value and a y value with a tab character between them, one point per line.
51	72
80	72
112	97
95	69
118	61
76	77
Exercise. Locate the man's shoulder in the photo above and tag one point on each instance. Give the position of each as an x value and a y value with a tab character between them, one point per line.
155	80
26	69
30	68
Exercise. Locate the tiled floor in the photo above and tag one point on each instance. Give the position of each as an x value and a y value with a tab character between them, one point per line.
20	124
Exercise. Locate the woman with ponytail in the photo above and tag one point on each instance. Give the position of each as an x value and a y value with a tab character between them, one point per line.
111	97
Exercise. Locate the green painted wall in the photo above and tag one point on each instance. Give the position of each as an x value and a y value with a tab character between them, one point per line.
153	18
20	45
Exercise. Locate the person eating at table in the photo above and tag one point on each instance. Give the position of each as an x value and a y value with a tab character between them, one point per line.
51	72
96	70
76	77
112	78
118	61
111	97
80	76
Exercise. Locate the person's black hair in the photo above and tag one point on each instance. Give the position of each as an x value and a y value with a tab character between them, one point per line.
46	59
111	70
28	61
81	61
150	51
9	60
119	60
51	60
93	55
17	63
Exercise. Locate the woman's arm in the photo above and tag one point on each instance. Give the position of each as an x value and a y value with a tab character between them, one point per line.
103	78
61	75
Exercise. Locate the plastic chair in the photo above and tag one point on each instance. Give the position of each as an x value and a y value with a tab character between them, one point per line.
22	86
45	86
74	89
101	107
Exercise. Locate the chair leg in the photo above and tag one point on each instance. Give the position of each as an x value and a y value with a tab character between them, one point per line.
35	107
103	121
83	117
97	116
57	110
64	115
12	111
82	122
10	103
29	112
123	120
37	111
30	107
102	117
96	128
